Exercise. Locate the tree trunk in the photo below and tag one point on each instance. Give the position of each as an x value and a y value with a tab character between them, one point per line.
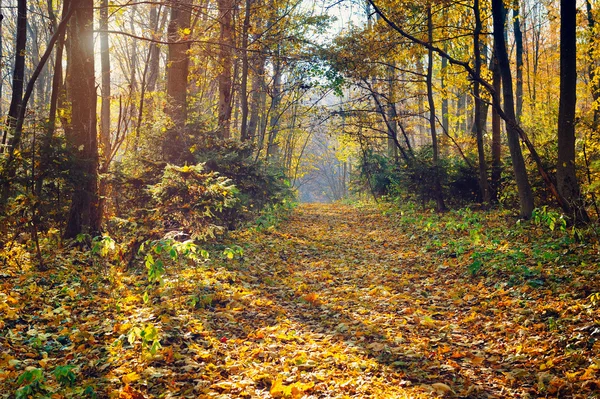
154	62
483	184
439	196
445	116
56	92
593	64
519	60
105	141
257	95
566	177
225	80
84	214
18	75
273	152
175	143
520	171
496	135
244	136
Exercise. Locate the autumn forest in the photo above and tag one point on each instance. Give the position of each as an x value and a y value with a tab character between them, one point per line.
299	199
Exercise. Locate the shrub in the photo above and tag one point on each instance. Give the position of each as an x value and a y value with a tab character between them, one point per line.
191	199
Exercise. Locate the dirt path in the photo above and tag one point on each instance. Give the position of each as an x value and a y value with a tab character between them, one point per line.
354	307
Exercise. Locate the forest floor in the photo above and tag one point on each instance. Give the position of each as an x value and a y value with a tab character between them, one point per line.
337	301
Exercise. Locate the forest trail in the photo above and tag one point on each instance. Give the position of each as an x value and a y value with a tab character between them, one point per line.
335	302
359	308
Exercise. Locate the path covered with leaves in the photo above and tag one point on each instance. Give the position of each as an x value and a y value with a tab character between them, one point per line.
337	301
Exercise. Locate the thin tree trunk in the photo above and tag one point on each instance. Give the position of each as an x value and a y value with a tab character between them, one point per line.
225	80
566	176
519	61
439	196
244	83
257	96
105	141
496	135
154	61
57	91
520	171
483	184
273	150
593	65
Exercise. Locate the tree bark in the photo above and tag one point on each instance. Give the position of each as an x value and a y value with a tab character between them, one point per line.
520	171
566	176
245	68
175	143
519	61
273	150
257	96
439	196
483	183
225	80
593	64
496	135
18	76
57	91
84	214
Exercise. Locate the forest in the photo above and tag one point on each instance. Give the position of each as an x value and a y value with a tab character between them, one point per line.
299	199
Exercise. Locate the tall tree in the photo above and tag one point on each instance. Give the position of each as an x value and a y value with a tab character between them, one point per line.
81	134
225	78
439	196
519	60
478	120
245	69
566	177
174	144
18	74
520	171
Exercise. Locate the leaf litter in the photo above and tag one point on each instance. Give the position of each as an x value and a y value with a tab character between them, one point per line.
336	302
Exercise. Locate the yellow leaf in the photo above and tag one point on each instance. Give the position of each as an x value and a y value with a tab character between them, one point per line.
131	377
277	389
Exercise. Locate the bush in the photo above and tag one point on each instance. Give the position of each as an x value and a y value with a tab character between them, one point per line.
192	199
258	185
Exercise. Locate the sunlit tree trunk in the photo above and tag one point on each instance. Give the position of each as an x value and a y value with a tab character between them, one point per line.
519	169
84	214
175	142
105	141
273	150
566	177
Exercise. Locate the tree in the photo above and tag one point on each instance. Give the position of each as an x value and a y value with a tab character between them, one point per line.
566	177
84	213
514	146
225	78
439	197
175	141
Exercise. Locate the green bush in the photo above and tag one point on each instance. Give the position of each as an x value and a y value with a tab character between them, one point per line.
191	199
